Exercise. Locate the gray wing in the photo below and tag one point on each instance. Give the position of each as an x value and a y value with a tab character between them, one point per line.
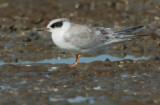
108	31
106	34
129	30
103	31
110	36
82	36
85	37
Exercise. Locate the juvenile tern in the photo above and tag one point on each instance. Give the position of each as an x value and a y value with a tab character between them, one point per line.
83	39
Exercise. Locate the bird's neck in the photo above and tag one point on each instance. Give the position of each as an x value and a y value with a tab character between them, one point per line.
57	35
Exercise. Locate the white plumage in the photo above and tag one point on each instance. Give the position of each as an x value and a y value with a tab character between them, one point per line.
83	39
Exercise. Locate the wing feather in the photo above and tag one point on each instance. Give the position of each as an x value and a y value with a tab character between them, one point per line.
82	36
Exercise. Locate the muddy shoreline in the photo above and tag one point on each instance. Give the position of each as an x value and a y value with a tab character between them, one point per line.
34	71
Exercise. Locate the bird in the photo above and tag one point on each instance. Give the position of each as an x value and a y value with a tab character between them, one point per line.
83	39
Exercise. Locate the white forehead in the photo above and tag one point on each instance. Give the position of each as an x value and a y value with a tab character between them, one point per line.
57	20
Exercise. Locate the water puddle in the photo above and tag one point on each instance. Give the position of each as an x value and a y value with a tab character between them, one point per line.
82	60
77	99
5	87
125	75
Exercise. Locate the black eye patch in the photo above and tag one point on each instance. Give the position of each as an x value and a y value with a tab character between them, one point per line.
56	25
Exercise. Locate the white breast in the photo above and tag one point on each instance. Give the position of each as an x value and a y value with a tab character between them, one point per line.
58	37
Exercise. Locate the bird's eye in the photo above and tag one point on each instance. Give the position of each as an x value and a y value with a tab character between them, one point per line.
56	25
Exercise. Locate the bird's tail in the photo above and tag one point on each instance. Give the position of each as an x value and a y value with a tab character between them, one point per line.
129	30
126	34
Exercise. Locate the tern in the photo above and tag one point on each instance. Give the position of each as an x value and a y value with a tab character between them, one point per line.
82	39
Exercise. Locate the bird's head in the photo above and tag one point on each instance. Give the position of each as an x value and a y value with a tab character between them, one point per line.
54	25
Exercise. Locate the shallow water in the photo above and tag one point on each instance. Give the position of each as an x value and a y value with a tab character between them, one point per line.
82	60
77	99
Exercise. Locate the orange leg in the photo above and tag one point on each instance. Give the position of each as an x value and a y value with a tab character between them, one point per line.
77	60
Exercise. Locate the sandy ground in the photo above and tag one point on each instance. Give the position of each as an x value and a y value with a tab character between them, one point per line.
32	68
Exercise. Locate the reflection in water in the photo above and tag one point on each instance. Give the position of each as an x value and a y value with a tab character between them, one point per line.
82	60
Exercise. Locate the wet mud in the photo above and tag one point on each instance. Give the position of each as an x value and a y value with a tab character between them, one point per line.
34	71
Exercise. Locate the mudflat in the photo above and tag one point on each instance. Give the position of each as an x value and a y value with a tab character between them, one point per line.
34	71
